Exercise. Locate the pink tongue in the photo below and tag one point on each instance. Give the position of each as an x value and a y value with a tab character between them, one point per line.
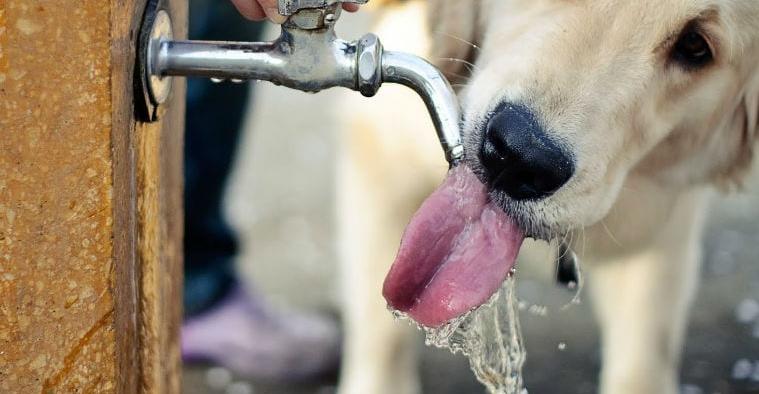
455	253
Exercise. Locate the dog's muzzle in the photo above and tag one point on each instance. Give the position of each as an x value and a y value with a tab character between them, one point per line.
519	158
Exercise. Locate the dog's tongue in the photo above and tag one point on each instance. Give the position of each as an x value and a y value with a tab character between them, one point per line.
454	254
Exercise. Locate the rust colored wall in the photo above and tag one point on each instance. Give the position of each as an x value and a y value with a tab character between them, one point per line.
56	265
90	204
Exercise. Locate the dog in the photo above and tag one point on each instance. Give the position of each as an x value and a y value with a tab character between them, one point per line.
603	123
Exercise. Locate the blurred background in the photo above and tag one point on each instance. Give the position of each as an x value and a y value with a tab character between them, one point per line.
260	175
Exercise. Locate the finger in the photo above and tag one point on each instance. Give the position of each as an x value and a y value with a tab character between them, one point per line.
272	11
350	7
250	9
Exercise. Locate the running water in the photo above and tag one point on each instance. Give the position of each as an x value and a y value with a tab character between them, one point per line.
459	251
490	337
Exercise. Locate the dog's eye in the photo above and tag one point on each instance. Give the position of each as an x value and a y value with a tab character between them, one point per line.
692	50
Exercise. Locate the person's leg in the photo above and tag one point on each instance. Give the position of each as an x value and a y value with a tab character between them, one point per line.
244	334
214	117
226	324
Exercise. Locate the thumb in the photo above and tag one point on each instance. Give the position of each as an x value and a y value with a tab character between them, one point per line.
272	11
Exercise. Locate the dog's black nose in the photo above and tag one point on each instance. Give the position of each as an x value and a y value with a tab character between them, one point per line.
519	158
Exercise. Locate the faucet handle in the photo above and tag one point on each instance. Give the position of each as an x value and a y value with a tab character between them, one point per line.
289	7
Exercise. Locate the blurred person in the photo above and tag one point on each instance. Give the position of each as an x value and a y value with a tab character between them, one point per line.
224	322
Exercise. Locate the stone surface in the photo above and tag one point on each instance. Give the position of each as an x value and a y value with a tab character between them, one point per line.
90	205
56	299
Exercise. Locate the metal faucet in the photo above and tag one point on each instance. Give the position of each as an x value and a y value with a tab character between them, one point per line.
306	56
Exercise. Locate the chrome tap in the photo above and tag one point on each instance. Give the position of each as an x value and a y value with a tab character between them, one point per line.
307	56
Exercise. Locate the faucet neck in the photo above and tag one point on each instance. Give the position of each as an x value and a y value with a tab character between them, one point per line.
314	18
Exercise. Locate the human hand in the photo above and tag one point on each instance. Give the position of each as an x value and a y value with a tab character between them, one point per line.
258	10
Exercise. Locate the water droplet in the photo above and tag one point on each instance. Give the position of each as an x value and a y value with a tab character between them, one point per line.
747	311
742	369
397	315
236	80
562	346
217	378
538	310
217	80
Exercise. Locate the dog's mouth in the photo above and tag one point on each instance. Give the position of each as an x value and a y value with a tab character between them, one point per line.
455	253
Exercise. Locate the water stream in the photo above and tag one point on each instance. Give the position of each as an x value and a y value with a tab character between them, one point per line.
490	337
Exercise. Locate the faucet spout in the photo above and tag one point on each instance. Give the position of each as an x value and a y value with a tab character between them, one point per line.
430	84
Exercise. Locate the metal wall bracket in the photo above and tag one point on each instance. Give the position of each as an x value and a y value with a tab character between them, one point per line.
151	90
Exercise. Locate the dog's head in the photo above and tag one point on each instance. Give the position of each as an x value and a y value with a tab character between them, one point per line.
564	100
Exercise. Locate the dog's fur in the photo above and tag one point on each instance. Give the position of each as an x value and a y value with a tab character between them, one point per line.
648	136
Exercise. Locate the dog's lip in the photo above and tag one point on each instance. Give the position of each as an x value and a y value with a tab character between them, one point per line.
532	226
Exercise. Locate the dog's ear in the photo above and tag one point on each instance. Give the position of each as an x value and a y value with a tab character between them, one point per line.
454	36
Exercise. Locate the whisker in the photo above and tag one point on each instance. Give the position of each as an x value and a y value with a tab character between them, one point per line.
461	76
584	238
613	238
567	249
457	39
455	59
471	67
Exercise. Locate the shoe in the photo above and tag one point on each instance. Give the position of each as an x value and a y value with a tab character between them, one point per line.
252	340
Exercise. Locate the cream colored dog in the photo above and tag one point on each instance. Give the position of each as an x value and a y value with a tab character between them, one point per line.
644	103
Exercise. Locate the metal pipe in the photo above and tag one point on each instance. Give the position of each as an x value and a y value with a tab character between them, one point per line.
225	60
430	84
299	59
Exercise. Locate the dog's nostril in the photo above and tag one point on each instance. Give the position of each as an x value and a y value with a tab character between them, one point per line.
519	158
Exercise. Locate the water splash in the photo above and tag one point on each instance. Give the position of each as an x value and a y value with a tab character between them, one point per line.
490	336
742	369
